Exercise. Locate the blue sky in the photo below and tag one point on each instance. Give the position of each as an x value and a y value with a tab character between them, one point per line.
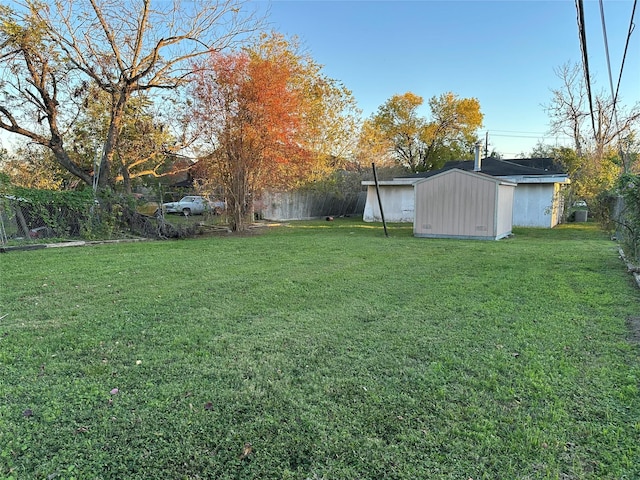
501	52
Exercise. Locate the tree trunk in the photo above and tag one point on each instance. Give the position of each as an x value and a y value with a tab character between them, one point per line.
62	157
126	176
117	115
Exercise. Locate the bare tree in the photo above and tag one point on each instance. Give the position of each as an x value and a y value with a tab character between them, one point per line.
52	52
591	131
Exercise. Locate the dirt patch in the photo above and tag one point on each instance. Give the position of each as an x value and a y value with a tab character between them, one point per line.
633	323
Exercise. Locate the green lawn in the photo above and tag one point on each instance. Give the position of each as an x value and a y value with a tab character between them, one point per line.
336	352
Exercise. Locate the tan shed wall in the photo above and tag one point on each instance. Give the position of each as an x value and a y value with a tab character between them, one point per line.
456	204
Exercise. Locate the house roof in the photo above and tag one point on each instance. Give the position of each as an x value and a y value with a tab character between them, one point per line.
480	175
548	164
522	170
499	168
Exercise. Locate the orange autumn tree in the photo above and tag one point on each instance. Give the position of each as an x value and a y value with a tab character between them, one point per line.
250	110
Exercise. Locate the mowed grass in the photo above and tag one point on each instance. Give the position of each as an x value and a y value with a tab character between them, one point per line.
335	352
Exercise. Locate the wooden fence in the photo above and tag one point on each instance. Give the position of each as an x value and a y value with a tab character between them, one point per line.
301	205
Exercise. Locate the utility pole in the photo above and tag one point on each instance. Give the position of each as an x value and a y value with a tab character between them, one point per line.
375	178
486	145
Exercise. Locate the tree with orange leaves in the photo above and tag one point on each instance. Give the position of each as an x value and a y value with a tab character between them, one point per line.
255	111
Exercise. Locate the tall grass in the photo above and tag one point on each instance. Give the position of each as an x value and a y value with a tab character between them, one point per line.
333	351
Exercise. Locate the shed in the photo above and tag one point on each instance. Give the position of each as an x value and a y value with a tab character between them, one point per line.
462	204
538	199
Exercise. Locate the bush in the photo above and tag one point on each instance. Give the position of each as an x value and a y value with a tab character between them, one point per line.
628	217
63	213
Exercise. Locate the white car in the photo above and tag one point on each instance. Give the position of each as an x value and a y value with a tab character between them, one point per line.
189	205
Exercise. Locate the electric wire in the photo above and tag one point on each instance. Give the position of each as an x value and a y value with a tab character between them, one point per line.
626	48
585	59
614	115
632	27
529	136
614	95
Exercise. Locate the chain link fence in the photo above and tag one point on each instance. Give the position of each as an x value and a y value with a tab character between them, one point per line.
22	221
626	232
26	220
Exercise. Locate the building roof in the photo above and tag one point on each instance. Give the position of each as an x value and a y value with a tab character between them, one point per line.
480	175
499	168
548	164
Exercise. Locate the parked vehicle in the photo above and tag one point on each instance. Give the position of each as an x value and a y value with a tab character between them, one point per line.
189	205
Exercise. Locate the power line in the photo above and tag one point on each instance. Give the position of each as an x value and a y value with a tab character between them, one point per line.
585	59
614	95
518	131
527	136
626	46
624	55
606	51
541	136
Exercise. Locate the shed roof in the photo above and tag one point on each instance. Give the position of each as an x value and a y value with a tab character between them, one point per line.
494	167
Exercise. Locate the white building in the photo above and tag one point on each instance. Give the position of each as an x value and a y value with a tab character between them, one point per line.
537	200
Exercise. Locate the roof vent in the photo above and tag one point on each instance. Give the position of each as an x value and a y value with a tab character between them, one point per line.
477	164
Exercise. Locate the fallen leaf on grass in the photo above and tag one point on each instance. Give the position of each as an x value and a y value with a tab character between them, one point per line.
82	429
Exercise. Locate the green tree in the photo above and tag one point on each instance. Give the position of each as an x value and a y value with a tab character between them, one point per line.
144	146
373	147
32	166
51	51
422	144
399	127
452	131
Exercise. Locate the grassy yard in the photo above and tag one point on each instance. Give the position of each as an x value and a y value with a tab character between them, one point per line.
335	352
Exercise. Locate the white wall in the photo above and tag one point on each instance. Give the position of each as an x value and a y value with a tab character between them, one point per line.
533	205
397	203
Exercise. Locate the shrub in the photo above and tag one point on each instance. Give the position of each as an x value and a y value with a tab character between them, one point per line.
628	217
64	213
